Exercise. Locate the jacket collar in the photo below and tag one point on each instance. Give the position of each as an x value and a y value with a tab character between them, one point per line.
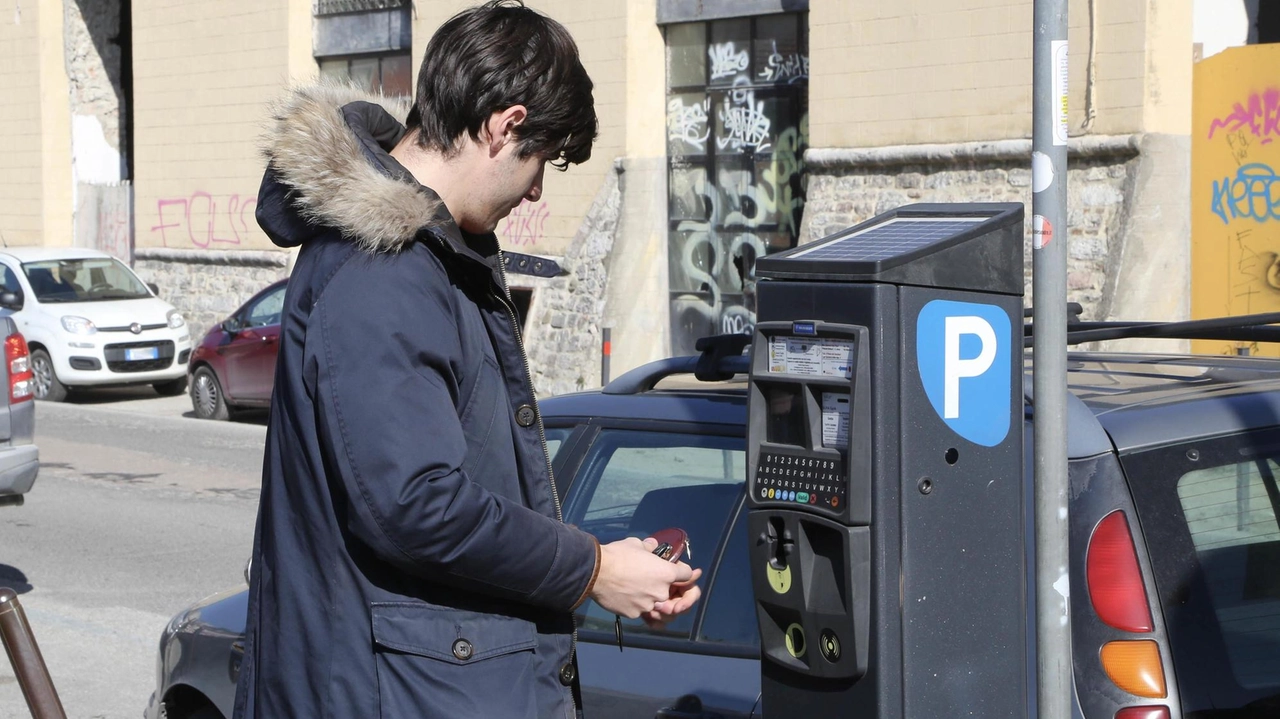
329	145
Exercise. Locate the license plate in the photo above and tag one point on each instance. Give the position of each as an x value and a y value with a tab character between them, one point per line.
142	353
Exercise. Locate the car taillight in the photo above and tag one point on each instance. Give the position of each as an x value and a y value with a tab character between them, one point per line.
1115	580
18	359
1134	665
1143	713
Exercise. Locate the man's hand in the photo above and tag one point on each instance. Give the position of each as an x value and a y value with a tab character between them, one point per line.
683	596
633	582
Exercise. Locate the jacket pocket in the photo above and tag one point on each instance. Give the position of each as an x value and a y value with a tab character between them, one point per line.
435	661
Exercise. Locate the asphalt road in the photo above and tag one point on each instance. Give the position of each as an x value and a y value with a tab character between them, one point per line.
139	510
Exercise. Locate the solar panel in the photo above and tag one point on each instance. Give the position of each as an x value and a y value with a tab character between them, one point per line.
892	238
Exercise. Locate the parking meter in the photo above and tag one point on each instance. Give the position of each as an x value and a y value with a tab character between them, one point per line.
885	468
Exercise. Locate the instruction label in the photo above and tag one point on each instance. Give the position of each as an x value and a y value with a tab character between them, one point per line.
835	420
811	356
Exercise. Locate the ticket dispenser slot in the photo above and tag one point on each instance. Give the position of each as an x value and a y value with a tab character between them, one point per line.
810	416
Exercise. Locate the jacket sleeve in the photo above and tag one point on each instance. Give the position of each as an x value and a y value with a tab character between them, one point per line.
383	339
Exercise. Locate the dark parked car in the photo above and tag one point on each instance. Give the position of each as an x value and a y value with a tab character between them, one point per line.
234	366
1175	543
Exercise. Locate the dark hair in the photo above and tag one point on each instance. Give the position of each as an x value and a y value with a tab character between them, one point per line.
492	57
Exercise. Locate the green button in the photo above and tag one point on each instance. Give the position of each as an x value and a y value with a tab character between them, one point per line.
803	497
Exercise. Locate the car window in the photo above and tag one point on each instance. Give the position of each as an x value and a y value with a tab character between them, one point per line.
91	279
634	483
1208	512
555	439
266	311
1231	516
11	283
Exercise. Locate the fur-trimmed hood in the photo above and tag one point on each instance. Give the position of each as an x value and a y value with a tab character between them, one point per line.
328	167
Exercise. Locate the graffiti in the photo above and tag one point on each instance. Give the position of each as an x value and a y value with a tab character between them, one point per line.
524	226
103	218
202	220
1254	193
1239	143
716	267
727	60
114	235
785	68
688	123
745	128
1261	116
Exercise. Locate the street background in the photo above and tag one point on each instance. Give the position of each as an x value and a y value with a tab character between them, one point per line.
139	510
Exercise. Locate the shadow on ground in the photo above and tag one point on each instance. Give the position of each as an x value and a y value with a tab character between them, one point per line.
13	578
244	416
88	395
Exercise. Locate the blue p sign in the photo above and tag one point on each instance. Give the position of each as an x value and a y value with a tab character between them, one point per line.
963	352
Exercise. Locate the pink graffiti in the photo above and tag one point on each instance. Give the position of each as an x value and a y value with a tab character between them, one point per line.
113	235
198	219
1261	116
524	224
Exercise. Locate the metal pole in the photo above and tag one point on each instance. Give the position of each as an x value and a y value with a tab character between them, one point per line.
1049	298
606	351
28	664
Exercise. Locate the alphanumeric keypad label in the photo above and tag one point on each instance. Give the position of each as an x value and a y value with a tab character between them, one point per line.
816	481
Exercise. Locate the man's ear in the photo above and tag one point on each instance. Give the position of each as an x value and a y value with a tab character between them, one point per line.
501	126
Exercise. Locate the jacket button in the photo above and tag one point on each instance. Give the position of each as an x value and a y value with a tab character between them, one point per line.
462	649
526	416
568	674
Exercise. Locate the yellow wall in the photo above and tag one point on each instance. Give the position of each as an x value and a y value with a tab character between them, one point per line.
204	73
923	71
1235	193
21	209
599	27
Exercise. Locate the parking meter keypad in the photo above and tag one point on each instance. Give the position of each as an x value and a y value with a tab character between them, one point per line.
803	480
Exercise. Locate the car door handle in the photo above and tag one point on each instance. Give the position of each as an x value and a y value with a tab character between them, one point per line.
688	706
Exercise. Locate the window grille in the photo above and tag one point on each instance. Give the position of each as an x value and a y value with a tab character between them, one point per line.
339	7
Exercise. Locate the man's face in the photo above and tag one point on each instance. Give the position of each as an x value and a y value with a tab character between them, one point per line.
510	181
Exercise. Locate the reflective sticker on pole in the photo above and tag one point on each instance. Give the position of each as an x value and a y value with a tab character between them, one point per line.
1041	232
1041	172
1060	72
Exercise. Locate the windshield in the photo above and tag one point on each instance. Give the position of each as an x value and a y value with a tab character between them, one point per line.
85	280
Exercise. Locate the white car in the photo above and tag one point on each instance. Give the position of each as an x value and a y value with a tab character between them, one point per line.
90	322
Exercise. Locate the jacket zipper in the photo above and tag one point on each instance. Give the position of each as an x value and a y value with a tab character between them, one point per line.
508	303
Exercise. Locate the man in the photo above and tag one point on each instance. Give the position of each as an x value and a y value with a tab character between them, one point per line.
409	559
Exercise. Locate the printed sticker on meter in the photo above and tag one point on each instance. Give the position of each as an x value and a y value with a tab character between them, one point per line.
811	356
963	352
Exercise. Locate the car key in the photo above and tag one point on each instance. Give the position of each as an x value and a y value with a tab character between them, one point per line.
667	551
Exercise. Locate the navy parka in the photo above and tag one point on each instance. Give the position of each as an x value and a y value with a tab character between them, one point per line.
409	558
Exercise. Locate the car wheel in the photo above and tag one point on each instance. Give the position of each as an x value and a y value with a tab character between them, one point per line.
47	385
172	388
206	396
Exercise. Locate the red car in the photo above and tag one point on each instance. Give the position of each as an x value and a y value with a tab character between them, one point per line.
235	365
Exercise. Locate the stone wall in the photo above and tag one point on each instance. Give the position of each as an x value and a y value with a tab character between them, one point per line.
94	66
849	186
206	286
562	332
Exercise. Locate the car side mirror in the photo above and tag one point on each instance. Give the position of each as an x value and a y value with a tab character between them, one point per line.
155	289
10	301
230	325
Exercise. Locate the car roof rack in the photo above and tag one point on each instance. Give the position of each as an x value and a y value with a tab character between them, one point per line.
720	359
722	356
1242	328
